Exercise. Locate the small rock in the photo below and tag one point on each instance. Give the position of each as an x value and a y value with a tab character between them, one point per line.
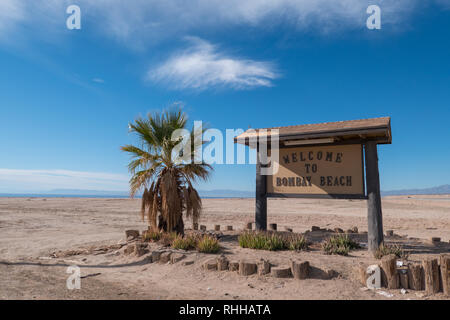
338	230
315	228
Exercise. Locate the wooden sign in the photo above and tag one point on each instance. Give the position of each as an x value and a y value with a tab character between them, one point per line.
333	170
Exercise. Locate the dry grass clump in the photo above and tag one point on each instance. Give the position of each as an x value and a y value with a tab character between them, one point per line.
271	241
384	250
340	244
208	244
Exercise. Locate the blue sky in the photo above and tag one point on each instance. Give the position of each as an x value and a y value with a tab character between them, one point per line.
66	96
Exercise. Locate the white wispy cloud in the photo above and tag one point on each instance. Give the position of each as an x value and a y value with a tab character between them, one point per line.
203	66
42	180
98	80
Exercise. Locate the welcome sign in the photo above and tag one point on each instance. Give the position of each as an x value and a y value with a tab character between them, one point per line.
319	170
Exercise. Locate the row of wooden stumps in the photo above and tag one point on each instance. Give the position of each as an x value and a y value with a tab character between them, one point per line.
431	276
216	227
296	269
249	226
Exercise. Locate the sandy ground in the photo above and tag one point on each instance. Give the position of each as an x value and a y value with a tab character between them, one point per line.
31	229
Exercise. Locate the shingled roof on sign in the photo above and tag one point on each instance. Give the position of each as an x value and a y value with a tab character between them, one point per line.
375	129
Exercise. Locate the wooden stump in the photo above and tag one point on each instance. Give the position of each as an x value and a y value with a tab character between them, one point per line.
229	228
415	277
174	258
445	273
431	275
165	257
403	277
156	255
273	226
247	268
129	249
140	249
222	263
389	271
362	273
300	269
280	272
249	226
211	265
195	226
263	267
233	266
203	228
132	233
435	240
217	227
187	263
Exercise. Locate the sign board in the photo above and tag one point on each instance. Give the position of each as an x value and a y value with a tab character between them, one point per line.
334	170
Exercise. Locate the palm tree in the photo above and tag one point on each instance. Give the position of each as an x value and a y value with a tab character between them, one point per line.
156	170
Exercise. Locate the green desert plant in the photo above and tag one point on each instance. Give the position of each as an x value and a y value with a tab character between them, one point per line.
271	241
297	243
152	235
208	244
384	250
184	243
340	244
163	169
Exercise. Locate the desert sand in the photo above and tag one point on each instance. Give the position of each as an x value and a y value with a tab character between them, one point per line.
34	230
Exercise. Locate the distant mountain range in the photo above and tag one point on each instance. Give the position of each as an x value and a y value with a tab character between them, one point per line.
219	193
203	193
444	189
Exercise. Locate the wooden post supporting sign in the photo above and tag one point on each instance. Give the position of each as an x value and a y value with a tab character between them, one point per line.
374	214
261	197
